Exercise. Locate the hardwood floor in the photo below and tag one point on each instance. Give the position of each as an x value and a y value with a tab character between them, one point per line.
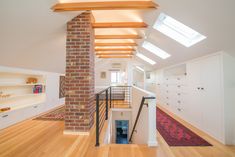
36	138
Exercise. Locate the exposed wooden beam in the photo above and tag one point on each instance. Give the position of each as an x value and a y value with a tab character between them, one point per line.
112	56
114	49
116	44
112	5
120	25
114	53
130	36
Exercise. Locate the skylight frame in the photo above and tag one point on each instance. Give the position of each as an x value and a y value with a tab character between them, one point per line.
146	59
177	30
155	50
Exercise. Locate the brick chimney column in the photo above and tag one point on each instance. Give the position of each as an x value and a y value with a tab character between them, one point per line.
79	99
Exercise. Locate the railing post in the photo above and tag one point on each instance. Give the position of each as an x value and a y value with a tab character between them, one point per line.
97	121
107	105
110	97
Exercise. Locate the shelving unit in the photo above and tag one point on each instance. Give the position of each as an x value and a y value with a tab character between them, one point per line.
16	93
22	97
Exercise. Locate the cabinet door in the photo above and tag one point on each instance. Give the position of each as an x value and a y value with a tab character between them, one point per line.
212	95
194	99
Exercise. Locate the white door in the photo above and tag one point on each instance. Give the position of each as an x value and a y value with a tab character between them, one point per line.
212	95
194	94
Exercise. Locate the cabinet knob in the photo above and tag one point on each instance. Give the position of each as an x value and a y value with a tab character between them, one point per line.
35	107
178	109
198	88
202	88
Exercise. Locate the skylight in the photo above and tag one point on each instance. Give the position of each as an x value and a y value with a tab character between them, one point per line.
139	68
146	59
155	50
177	30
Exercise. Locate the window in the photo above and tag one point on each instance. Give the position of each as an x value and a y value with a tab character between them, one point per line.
115	77
177	30
155	50
146	59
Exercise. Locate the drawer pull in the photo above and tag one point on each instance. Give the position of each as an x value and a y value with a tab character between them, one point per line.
167	104
178	109
35	107
179	102
4	116
179	94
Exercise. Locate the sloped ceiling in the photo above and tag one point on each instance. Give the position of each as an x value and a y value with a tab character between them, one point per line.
32	36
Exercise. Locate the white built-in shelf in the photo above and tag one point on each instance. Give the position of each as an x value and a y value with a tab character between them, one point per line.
22	106
15	84
21	95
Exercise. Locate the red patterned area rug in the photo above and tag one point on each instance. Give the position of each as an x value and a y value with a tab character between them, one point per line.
176	134
56	115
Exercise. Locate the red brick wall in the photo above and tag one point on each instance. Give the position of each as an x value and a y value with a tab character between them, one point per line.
79	99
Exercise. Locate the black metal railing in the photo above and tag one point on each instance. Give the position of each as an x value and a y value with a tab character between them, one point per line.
121	96
138	115
111	97
103	101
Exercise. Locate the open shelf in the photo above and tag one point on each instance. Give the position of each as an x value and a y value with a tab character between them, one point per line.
22	95
15	84
16	91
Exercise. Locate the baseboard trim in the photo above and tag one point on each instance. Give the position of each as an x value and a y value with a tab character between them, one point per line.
152	143
66	132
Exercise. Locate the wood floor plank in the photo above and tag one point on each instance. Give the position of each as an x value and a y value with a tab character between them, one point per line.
36	138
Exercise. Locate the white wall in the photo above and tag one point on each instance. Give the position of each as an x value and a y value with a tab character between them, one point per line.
229	97
150	83
138	78
146	126
106	66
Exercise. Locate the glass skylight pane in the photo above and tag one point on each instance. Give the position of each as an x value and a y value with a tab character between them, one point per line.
139	68
177	30
155	50
143	57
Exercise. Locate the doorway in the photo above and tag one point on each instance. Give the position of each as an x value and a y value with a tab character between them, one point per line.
122	127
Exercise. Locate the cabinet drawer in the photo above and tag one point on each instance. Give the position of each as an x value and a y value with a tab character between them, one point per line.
8	119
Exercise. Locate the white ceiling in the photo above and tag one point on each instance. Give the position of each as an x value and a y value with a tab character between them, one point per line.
32	36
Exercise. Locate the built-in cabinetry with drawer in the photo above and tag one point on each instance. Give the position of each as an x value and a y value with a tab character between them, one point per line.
197	91
22	96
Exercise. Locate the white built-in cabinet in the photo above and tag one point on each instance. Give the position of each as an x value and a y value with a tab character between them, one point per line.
195	92
206	94
20	96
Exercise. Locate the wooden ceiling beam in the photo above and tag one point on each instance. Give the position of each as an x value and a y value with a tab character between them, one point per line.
120	25
111	5
115	56
114	53
116	44
130	36
114	49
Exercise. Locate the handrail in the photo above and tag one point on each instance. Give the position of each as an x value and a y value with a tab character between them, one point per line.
138	115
